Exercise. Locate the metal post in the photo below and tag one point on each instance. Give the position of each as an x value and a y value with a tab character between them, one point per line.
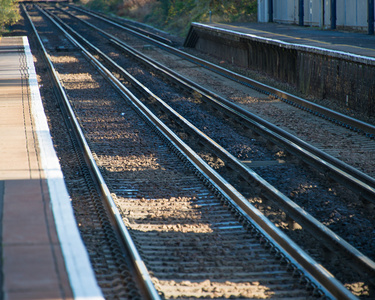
321	22
301	13
333	14
370	16
270	10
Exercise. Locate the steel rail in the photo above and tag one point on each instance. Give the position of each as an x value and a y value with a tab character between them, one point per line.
137	29
138	263
332	167
294	211
358	181
294	255
326	113
359	261
327	237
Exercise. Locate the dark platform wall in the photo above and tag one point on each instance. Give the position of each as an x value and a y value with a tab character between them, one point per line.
322	73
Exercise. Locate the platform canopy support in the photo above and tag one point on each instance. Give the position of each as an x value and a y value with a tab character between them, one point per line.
270	10
333	14
301	12
370	16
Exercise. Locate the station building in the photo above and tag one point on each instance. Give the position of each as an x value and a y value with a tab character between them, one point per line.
343	14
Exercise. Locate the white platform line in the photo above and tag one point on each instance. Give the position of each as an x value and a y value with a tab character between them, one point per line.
80	272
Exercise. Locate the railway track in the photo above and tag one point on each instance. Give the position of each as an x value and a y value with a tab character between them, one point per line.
340	119
175	62
116	276
351	177
289	209
200	188
128	189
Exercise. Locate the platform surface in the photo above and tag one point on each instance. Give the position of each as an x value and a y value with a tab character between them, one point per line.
350	42
36	259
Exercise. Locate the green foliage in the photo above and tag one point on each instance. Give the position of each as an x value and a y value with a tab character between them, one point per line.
178	14
9	13
104	5
175	16
233	11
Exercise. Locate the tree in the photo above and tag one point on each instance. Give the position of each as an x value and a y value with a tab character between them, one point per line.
9	13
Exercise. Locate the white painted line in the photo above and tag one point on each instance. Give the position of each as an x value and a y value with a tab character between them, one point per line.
80	272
